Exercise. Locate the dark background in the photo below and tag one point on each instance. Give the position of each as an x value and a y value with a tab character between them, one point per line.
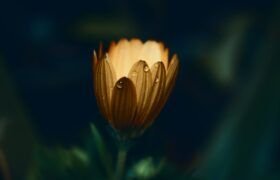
225	104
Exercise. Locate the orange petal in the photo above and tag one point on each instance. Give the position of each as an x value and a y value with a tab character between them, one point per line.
141	76
124	102
150	52
112	48
165	58
170	82
120	58
164	54
94	61
172	72
157	92
103	83
135	47
100	50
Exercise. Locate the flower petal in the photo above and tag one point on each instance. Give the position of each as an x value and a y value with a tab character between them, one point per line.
170	82
156	93
123	104
164	54
104	80
100	50
120	58
165	58
141	76
171	76
151	52
112	49
94	61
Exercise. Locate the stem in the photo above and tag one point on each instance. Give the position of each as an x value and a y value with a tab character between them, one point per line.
120	166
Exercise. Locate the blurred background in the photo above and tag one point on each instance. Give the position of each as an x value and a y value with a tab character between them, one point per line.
222	120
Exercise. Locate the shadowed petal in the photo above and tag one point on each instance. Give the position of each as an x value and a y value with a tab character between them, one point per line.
100	51
170	82
94	61
124	102
157	92
104	80
112	49
141	76
172	72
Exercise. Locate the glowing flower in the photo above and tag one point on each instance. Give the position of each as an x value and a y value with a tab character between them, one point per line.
132	83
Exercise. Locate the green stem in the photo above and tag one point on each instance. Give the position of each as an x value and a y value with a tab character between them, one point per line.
120	166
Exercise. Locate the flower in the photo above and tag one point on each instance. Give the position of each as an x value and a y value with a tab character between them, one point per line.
132	83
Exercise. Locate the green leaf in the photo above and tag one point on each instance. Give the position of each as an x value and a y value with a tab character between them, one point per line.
103	154
59	163
146	168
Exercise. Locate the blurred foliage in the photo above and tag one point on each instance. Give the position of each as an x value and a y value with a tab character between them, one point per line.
71	163
59	163
16	147
92	161
248	138
146	168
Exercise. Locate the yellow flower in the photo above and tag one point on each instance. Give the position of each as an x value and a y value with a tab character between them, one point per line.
132	83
